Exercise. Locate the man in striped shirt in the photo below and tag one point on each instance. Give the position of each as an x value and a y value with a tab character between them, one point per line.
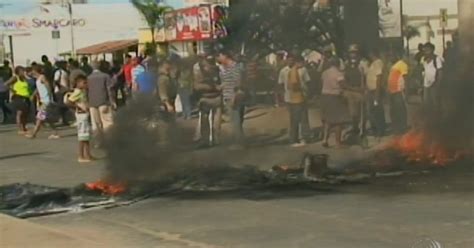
233	95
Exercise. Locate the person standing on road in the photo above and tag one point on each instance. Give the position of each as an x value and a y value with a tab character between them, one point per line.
4	96
354	87
61	87
101	100
432	76
167	89
46	107
137	70
374	85
396	86
207	86
85	67
78	99
294	77
20	98
7	69
48	69
74	72
185	86
127	72
333	107
234	96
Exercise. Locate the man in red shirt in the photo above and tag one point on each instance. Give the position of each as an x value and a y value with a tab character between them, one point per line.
127	71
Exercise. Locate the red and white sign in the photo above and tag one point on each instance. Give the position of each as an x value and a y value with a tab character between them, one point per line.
189	24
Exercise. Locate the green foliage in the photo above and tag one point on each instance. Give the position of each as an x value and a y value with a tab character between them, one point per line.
410	31
154	13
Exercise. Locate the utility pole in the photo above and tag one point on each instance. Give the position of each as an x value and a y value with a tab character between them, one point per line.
12	55
71	23
466	22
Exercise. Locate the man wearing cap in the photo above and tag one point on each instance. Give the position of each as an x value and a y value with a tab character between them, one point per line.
355	73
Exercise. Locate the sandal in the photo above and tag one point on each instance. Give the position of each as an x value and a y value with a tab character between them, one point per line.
84	160
30	136
54	136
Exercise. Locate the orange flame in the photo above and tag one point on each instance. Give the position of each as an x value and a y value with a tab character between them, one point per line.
107	188
418	146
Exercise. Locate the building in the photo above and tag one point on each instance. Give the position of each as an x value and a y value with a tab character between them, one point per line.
191	3
46	2
192	40
31	27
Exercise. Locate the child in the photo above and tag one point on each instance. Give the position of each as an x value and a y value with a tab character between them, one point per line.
78	99
45	104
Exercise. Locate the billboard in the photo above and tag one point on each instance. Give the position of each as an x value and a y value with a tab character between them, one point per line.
188	24
390	18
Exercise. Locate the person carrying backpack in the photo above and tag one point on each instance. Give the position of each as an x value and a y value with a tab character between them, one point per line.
432	76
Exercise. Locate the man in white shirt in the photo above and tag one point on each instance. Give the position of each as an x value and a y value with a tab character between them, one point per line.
61	87
432	75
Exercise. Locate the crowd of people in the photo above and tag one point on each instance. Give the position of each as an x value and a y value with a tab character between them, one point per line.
352	92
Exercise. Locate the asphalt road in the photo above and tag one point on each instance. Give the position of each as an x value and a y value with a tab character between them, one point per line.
405	211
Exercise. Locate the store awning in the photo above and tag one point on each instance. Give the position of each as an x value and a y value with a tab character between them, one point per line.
108	47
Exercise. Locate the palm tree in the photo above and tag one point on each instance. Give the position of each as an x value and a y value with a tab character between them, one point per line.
153	12
410	32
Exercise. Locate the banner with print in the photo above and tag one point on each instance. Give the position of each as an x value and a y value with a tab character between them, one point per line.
390	18
189	24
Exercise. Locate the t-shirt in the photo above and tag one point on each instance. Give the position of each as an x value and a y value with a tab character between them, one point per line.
396	82
98	88
74	74
231	76
146	82
21	88
87	69
127	72
43	92
293	94
62	77
3	87
375	70
79	97
355	73
137	70
430	71
331	79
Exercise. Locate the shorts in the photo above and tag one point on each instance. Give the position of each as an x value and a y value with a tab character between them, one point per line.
83	127
21	103
101	117
46	113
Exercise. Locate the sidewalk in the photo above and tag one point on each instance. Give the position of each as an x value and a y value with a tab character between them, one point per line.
16	233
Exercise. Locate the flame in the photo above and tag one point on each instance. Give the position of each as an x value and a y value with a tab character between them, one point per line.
106	187
418	146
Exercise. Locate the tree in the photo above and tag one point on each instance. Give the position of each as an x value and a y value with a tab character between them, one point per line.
154	13
410	32
266	26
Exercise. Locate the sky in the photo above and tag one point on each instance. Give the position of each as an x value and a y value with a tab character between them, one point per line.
12	7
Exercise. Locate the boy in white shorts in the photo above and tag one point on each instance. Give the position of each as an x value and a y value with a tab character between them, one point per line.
78	99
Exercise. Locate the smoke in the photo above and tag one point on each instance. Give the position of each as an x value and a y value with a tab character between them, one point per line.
141	142
451	123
